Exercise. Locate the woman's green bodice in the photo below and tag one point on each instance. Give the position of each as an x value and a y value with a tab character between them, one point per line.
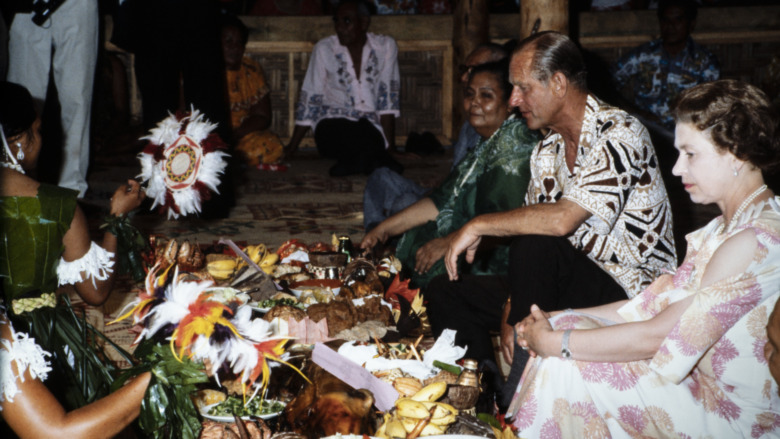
31	247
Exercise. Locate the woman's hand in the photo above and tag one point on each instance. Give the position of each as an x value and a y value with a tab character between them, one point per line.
428	254
126	198
535	332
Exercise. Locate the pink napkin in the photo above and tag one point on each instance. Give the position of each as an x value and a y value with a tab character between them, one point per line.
355	375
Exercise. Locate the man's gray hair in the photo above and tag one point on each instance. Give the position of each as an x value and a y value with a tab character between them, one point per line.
555	52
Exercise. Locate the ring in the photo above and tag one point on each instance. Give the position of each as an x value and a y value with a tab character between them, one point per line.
525	348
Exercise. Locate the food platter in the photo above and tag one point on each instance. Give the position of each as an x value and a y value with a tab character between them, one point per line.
298	292
229	418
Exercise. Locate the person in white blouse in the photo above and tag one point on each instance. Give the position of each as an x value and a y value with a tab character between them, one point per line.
351	95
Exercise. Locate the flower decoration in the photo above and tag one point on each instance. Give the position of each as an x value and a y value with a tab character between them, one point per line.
206	327
182	163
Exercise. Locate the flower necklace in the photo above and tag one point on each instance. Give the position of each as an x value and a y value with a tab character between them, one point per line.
741	209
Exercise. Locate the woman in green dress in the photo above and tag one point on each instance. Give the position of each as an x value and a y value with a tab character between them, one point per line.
44	243
492	177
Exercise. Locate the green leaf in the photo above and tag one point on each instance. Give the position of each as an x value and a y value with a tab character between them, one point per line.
168	410
448	367
489	419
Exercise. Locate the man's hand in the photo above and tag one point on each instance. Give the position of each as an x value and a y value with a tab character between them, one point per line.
377	235
463	240
428	254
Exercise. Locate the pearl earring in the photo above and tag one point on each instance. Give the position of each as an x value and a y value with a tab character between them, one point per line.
736	172
19	153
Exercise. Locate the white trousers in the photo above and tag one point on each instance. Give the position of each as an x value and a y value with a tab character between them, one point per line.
68	44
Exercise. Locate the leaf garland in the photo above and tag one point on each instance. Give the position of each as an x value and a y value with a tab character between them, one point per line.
166	410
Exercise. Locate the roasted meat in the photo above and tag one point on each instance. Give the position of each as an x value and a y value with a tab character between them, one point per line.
329	406
340	315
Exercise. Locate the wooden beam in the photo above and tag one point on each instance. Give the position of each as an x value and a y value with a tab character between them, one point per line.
727	25
552	15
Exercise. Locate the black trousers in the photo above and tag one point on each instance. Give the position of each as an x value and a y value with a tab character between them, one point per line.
543	270
357	146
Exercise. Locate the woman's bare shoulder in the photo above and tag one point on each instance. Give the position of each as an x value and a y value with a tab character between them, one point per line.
14	184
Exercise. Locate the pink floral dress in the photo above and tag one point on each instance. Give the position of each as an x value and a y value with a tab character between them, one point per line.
708	379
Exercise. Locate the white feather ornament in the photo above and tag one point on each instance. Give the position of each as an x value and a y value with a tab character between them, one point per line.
182	162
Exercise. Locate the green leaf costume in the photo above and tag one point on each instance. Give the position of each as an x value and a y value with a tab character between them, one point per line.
32	229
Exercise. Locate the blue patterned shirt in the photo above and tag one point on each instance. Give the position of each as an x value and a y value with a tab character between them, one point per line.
331	89
654	79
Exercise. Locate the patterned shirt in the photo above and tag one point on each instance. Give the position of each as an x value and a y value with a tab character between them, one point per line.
331	90
616	178
246	87
654	79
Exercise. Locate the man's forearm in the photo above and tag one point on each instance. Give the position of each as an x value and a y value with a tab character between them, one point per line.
552	219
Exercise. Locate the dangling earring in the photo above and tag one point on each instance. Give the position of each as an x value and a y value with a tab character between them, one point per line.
736	172
19	153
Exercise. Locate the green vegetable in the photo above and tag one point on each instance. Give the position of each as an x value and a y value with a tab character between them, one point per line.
448	367
270	303
235	406
489	419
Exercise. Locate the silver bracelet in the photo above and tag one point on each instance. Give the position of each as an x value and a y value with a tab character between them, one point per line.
565	352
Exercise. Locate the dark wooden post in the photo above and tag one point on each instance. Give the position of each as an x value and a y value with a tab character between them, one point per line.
553	15
470	29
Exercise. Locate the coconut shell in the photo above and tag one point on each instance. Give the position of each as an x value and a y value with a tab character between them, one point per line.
462	397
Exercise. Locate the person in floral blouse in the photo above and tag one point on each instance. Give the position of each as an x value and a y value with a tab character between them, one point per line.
688	356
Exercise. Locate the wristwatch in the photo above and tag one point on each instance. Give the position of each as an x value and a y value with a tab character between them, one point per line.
565	352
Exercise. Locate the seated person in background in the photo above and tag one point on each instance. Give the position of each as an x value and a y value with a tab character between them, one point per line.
351	95
651	76
491	178
597	224
46	244
685	358
387	192
250	98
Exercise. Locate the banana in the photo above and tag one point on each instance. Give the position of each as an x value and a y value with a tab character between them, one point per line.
395	429
269	259
442	409
409	408
381	432
256	252
444	421
221	269
431	392
429	430
407	386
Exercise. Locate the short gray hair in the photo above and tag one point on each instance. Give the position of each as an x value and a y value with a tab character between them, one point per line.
555	52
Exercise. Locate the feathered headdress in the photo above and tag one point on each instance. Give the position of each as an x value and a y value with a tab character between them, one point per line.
182	163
